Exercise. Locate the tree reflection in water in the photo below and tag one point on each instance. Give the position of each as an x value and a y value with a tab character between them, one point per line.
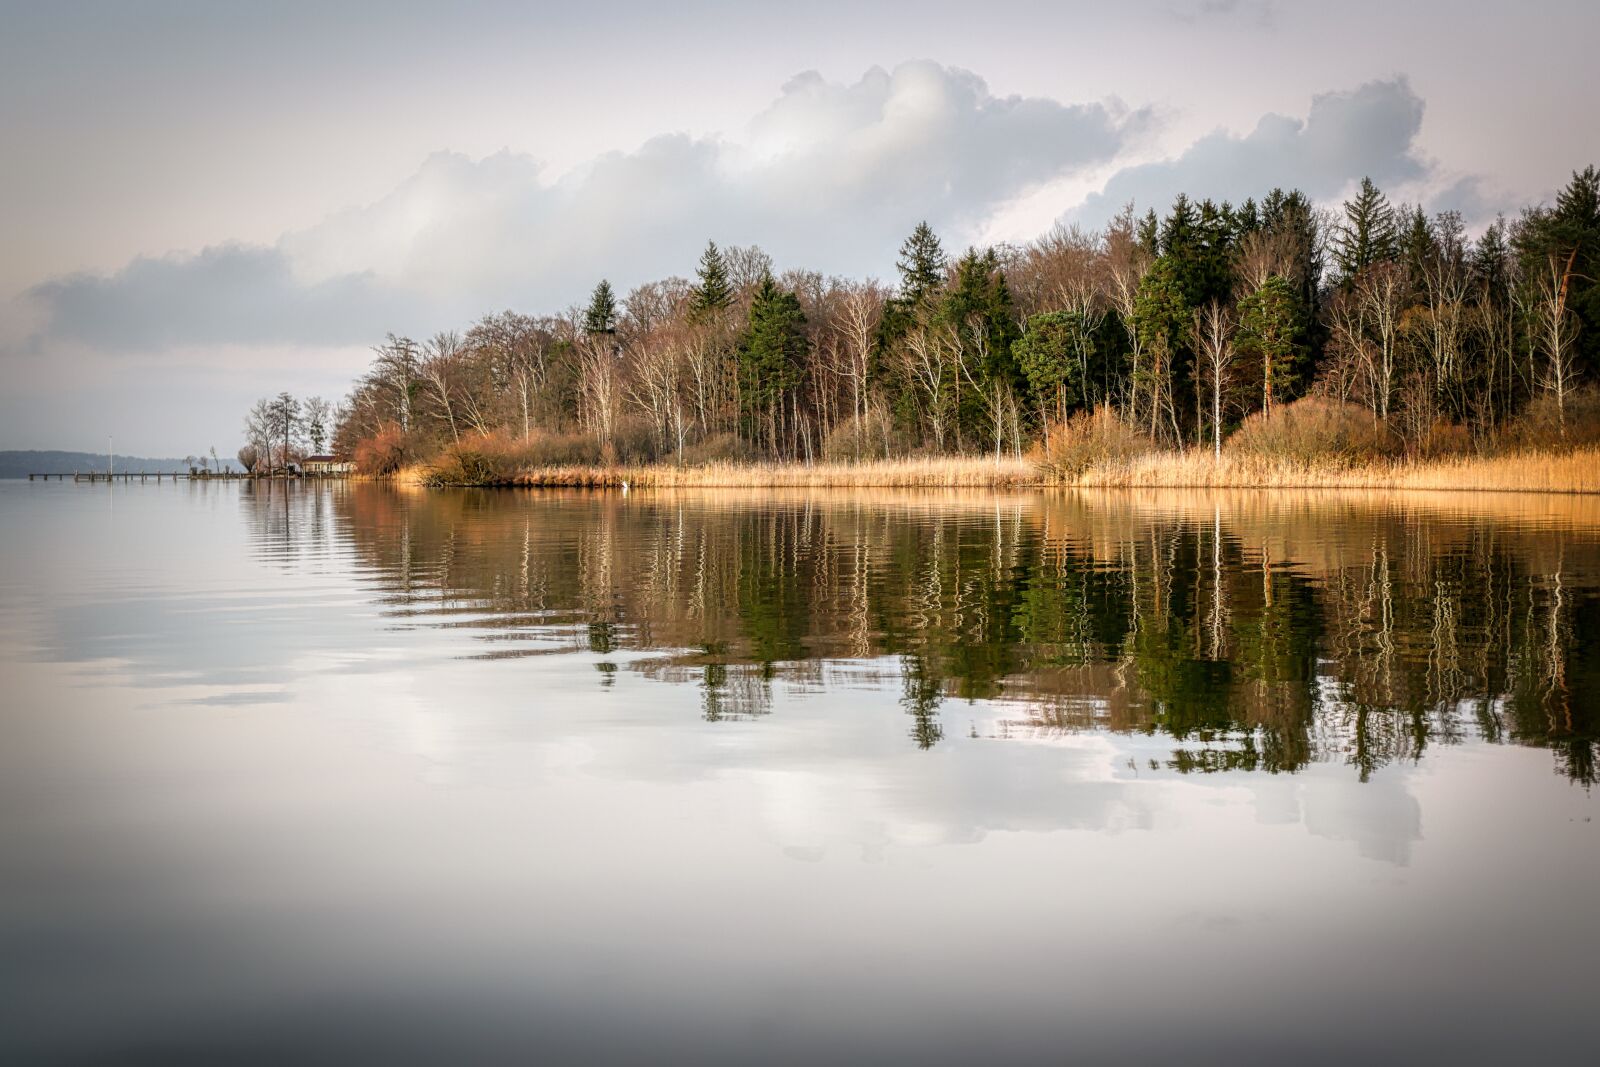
1258	631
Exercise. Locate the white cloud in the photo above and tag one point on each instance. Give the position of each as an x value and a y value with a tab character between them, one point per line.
830	176
1370	131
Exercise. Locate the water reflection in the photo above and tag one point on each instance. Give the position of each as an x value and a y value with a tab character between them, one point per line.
347	774
1252	631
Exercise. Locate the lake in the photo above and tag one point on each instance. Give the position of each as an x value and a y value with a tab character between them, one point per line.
322	773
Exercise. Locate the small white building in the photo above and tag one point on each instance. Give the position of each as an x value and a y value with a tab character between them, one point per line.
326	465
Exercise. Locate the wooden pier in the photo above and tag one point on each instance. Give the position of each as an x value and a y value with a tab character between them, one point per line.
213	476
138	476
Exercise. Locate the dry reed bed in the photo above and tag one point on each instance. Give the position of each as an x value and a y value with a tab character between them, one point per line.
933	473
1576	471
1567	472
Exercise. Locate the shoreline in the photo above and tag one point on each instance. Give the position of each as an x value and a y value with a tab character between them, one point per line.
1574	472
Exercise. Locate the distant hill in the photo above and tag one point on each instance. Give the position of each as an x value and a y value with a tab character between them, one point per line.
20	464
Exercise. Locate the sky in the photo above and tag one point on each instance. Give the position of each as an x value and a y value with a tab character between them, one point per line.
204	203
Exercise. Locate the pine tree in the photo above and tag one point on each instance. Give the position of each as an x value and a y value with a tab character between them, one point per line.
601	316
771	353
1054	353
1179	231
1149	233
1367	234
1569	235
922	264
714	291
1415	244
1161	314
1269	331
1491	258
1247	219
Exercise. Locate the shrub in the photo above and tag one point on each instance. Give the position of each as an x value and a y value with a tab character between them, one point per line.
634	440
559	449
1446	438
1540	424
476	459
858	438
1088	440
381	454
496	458
1313	430
716	448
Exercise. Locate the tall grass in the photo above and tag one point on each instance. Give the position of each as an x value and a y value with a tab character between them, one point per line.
1309	446
1546	471
943	472
1538	471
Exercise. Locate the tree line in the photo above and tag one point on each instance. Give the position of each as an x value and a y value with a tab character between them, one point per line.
282	430
1184	324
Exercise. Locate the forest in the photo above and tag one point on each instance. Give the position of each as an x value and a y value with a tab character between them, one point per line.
1373	331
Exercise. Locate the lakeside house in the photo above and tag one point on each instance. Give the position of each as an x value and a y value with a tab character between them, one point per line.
326	465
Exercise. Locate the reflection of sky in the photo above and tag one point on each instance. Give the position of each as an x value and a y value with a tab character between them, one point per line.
237	801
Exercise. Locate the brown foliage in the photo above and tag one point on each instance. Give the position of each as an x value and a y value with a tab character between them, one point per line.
1089	440
381	454
1313	430
1541	425
497	459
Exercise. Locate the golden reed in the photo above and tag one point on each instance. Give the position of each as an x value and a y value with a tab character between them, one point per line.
1576	471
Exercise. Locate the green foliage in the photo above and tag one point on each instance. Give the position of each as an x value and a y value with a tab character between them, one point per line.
1270	333
1431	330
713	292
922	265
1149	233
601	315
772	349
1570	232
1491	260
1367	234
1292	217
1161	310
1198	244
1415	244
1053	353
978	307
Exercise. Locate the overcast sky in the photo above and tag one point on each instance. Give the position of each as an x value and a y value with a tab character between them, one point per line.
204	203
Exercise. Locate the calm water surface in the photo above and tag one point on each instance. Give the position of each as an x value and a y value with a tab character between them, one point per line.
322	774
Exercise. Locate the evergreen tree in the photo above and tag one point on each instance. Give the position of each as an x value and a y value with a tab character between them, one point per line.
922	265
1269	332
1491	259
1292	215
771	354
1053	353
1211	275
714	292
1149	233
1569	234
1247	218
1161	314
1415	243
979	308
1367	234
601	315
1179	230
